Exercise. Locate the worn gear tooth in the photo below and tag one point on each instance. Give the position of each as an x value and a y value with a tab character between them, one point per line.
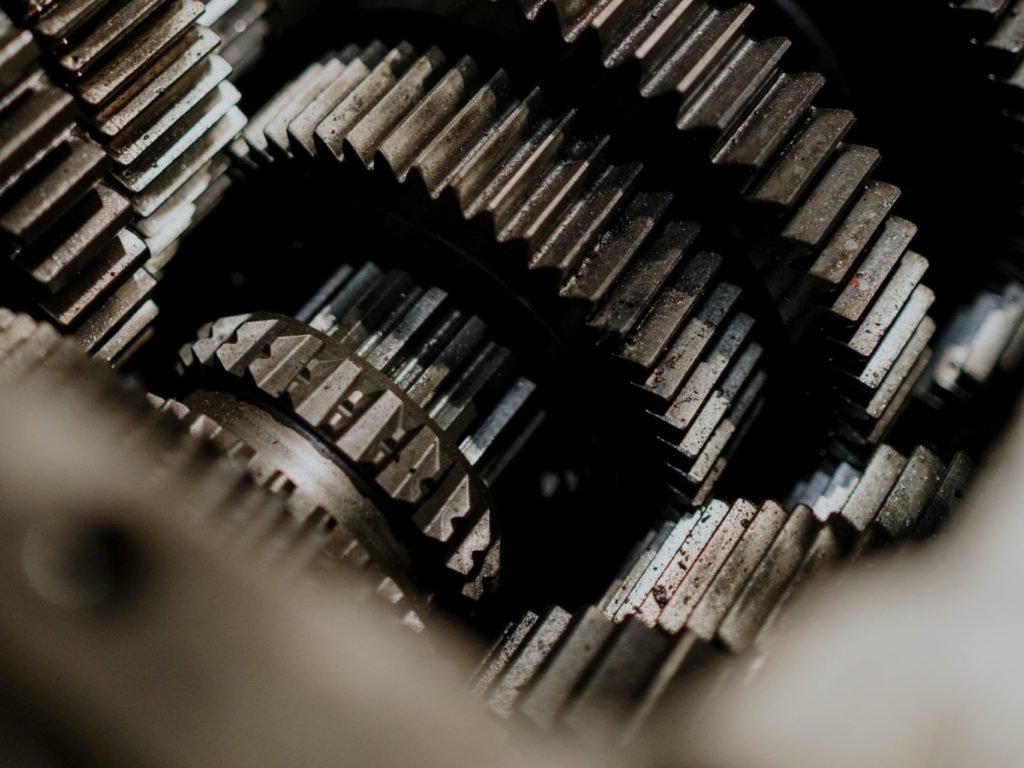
617	249
908	359
726	99
85	48
680	357
17	53
406	330
769	580
373	309
554	684
639	28
358	66
129	145
496	152
388	318
947	497
366	137
428	118
852	237
331	133
150	93
564	183
81	165
453	408
138	53
502	652
643	283
451	503
119	306
683	590
699	385
65	18
711	415
832	196
442	159
53	261
517	178
585	221
873	273
448	360
254	131
668	579
800	162
673	306
189	163
897	337
888	305
521	670
276	132
33	124
700	54
758	140
917	484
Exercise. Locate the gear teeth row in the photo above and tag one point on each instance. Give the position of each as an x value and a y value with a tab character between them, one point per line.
156	95
761	121
63	225
327	544
408	455
705	587
205	470
573	219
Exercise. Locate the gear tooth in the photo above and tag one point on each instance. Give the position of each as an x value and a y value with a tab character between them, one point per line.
493	155
419	465
585	221
656	33
302	128
288	356
673	306
633	297
723	102
898	290
331	70
366	137
331	133
254	131
760	137
564	184
425	122
441	159
617	249
478	540
248	342
701	55
321	388
519	175
373	436
872	273
831	197
887	395
801	161
112	23
213	335
898	335
621	27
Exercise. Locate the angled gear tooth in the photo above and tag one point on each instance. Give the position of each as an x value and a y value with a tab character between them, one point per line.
254	131
276	131
86	48
728	97
366	137
35	121
617	249
901	370
898	336
889	303
332	131
832	196
801	160
440	161
872	274
53	261
528	659
640	287
760	137
119	306
358	65
138	53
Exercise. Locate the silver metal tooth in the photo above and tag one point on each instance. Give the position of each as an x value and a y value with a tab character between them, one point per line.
365	138
641	286
105	34
131	334
129	145
276	131
711	415
881	474
646	553
393	345
501	654
705	377
332	131
37	118
873	272
100	323
527	661
373	306
678	360
455	408
800	162
64	18
138	53
450	359
254	132
151	92
889	304
710	519
901	371
358	65
918	483
692	585
657	565
475	447
899	335
125	252
672	308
